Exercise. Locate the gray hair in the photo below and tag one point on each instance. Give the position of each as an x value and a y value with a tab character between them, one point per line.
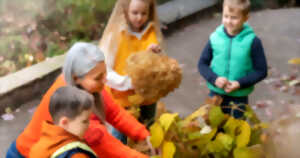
80	59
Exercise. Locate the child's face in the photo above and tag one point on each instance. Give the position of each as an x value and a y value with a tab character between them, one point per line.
80	124
138	13
233	19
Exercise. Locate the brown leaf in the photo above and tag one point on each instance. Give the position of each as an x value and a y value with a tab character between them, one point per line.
215	100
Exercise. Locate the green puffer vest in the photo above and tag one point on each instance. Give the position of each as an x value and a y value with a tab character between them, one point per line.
232	57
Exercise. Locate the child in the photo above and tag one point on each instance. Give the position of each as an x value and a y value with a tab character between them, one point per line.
233	60
70	109
84	67
132	28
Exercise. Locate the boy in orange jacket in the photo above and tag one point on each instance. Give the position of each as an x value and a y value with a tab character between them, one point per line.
70	109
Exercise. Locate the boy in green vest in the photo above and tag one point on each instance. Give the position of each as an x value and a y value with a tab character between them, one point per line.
70	109
233	60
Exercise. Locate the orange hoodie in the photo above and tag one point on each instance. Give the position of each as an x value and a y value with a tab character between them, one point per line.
53	138
96	136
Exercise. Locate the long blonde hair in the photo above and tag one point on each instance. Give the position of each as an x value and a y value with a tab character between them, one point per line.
118	22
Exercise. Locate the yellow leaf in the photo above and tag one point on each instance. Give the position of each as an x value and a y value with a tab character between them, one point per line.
8	110
135	99
231	126
155	157
168	149
257	151
203	110
243	138
203	137
216	116
251	115
157	135
226	140
245	152
166	120
295	61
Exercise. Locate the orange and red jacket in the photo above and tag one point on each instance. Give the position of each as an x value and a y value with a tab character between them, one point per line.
97	136
53	138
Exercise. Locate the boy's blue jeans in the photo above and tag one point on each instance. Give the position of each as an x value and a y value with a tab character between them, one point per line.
227	107
147	116
13	152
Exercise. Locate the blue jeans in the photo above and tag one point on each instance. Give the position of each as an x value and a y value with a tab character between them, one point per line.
13	152
120	136
146	117
226	105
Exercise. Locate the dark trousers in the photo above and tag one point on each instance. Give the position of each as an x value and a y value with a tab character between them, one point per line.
228	103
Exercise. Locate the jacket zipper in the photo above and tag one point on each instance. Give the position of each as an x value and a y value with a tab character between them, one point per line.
229	57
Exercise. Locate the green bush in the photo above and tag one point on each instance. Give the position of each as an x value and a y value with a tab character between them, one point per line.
50	27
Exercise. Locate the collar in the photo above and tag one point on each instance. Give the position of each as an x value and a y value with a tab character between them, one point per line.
139	35
226	32
54	131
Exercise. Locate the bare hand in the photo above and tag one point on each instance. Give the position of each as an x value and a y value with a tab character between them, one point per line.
155	48
153	152
221	82
232	86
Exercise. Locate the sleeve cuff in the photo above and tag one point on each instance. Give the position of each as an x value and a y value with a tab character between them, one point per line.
143	133
118	82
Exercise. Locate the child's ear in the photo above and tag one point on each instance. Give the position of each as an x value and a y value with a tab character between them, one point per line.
63	122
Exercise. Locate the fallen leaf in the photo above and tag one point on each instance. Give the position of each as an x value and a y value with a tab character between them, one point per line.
8	110
31	110
166	120
261	104
168	149
283	89
157	135
295	61
294	83
8	117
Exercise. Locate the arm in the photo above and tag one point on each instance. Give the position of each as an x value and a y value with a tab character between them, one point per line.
259	65
105	145
204	63
122	120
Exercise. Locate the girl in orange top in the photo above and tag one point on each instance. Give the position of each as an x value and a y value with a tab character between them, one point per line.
133	27
84	67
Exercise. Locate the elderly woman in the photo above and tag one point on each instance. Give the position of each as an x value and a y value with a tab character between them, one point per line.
85	68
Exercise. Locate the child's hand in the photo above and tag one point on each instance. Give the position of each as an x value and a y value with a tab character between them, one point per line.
153	152
155	48
221	82
232	86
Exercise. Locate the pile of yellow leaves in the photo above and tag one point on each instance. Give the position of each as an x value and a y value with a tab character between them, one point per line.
153	75
218	136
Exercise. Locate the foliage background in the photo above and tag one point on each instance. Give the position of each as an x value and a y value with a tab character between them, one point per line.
41	29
